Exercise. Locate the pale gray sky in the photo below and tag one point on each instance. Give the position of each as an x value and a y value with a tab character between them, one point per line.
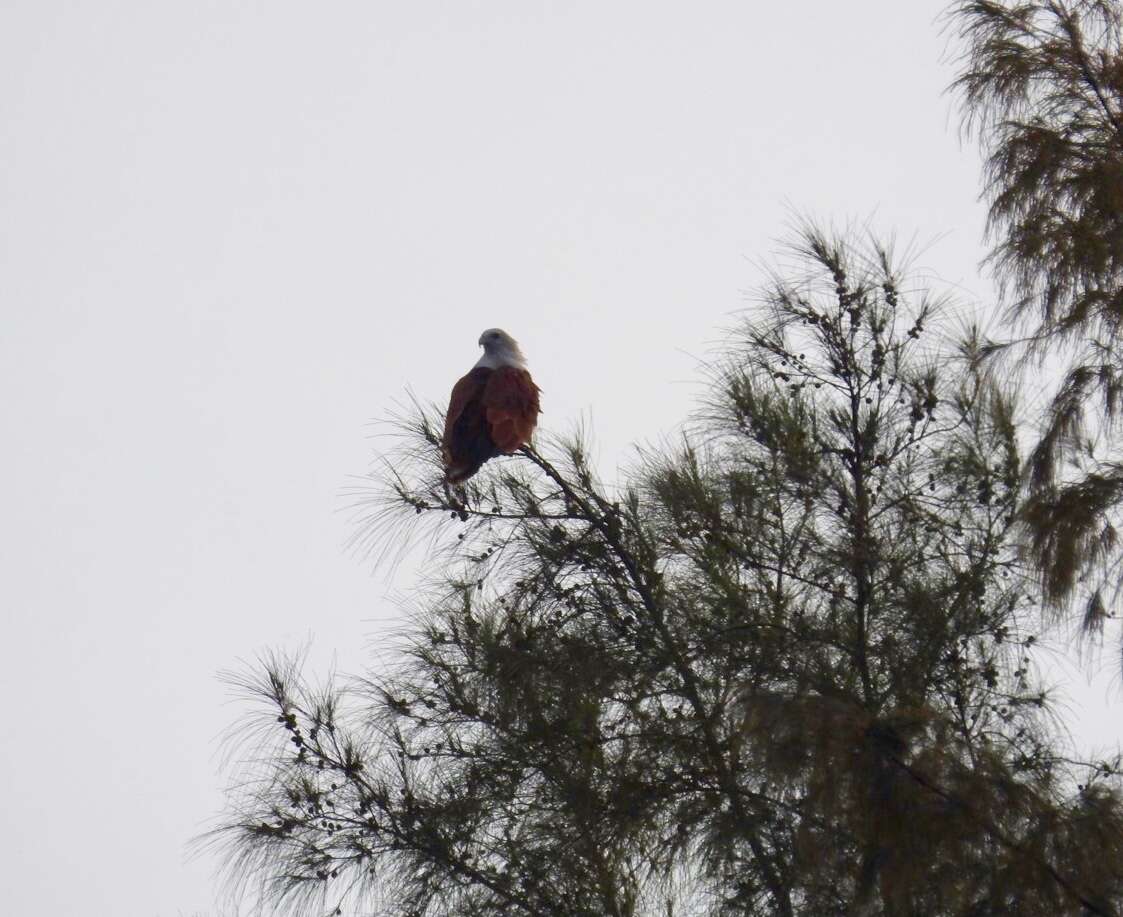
232	233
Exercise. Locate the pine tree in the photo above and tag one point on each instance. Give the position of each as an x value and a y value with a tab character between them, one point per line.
786	668
1042	88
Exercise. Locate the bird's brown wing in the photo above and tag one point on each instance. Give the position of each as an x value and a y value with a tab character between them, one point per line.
467	388
466	443
510	400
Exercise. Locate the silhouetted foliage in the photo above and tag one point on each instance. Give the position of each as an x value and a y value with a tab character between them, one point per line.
787	669
1042	87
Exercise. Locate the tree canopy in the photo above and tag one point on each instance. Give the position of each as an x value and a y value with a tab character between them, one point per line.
1042	88
786	668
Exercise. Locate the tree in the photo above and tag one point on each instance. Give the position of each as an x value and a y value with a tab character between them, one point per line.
785	670
1042	87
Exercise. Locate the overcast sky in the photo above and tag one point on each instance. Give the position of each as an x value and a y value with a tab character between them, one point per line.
232	233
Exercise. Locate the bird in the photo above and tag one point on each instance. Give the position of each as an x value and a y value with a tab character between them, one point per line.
493	409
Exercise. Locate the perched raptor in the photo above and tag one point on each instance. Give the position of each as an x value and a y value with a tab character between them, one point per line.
493	409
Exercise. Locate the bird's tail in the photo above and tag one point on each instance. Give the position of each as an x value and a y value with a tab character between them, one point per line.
458	474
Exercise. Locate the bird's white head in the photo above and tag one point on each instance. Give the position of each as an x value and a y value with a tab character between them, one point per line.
500	349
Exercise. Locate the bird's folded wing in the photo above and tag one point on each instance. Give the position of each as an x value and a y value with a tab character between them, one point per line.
468	389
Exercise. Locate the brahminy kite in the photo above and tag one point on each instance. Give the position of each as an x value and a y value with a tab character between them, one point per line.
493	409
